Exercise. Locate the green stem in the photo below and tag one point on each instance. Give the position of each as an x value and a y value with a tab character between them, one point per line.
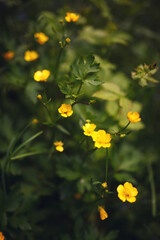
79	89
153	189
107	163
49	114
122	129
57	63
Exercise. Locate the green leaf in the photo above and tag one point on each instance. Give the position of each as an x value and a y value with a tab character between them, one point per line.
82	68
27	141
28	154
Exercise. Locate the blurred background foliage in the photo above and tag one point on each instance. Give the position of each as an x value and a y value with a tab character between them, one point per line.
52	195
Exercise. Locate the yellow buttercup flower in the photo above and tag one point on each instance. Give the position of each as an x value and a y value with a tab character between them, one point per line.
104	185
71	17
103	213
42	76
30	55
65	110
127	192
41	37
89	128
8	55
2	237
39	96
101	139
133	117
68	40
59	146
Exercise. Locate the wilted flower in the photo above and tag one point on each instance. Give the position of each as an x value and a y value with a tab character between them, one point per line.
133	117
101	139
71	17
127	192
41	37
8	55
30	55
89	128
42	76
103	213
65	110
2	237
59	146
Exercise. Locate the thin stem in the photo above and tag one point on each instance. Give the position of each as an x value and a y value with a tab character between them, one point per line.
85	103
122	129
107	163
79	89
47	111
57	63
153	189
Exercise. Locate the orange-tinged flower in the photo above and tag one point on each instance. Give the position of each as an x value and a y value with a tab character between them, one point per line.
133	117
89	128
59	146
30	55
39	96
65	110
2	237
42	76
71	17
41	37
104	185
101	139
127	192
8	55
103	213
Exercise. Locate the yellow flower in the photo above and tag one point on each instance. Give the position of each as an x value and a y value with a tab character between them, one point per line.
8	55
101	139
104	185
35	121
103	213
89	128
59	146
65	110
68	40
133	117
39	96
41	37
127	192
30	56
41	76
71	17
1	236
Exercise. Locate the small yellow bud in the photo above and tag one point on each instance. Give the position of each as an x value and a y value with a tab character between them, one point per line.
61	44
61	21
122	135
68	40
104	185
39	96
35	121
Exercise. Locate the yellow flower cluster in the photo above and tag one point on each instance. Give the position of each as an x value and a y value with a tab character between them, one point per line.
104	185
8	55
71	17
59	146
100	137
103	214
127	192
133	117
30	55
1	236
41	37
42	76
65	110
